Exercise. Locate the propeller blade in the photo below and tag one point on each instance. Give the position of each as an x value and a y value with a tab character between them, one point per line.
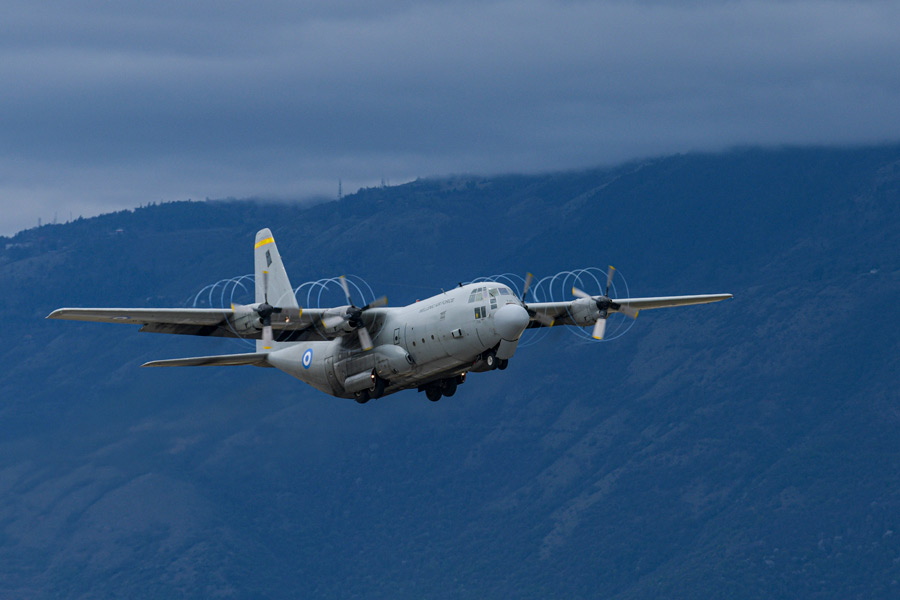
528	279
579	294
599	329
265	286
609	278
346	290
628	311
333	321
365	340
267	337
376	303
543	319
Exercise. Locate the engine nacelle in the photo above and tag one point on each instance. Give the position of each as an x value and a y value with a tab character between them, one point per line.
335	322
584	311
245	320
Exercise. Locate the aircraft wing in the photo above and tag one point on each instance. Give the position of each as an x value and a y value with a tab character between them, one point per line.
561	312
215	322
180	316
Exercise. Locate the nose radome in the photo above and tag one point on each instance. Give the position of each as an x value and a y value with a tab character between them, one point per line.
510	321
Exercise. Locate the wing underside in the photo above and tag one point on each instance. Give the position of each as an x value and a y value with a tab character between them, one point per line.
560	313
209	322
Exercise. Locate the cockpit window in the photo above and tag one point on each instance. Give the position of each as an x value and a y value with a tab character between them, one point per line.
505	291
493	292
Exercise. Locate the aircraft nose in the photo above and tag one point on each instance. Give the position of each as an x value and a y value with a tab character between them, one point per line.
510	321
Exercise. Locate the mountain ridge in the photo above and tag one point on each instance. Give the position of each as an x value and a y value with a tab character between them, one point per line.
734	450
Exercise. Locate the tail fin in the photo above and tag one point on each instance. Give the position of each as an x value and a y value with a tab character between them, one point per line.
269	272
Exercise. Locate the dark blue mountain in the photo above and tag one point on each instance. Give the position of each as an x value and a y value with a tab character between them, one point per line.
745	449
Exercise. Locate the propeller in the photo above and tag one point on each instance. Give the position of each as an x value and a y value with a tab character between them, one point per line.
545	320
528	278
604	304
354	315
266	310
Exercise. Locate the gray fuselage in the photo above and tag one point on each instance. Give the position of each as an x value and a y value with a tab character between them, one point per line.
437	338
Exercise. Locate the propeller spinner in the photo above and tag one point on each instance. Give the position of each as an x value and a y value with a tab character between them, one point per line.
545	320
265	311
604	304
354	315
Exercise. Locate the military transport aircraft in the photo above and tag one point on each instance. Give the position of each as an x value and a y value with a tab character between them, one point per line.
371	351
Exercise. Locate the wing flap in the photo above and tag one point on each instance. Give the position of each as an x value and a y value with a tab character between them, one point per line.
257	359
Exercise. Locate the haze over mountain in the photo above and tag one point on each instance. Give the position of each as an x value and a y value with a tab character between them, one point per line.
114	104
740	450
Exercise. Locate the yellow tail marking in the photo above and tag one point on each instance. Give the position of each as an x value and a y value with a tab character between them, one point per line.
260	243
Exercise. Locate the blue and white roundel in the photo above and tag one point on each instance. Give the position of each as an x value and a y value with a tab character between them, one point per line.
307	359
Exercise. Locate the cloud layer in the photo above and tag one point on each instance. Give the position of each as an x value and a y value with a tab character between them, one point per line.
115	104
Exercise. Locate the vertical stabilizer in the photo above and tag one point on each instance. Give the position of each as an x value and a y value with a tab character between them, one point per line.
272	283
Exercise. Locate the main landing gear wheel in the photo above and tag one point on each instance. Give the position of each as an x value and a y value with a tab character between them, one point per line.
490	360
377	390
362	396
448	387
502	363
434	393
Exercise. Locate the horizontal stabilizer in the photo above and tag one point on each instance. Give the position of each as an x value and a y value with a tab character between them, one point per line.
257	359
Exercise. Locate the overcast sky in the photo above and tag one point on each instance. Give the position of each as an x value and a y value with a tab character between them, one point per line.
115	104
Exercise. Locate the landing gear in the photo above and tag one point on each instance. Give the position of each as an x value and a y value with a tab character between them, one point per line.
490	360
448	387
378	385
362	396
502	363
443	387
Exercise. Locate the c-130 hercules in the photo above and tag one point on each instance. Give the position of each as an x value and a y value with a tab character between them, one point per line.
430	345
